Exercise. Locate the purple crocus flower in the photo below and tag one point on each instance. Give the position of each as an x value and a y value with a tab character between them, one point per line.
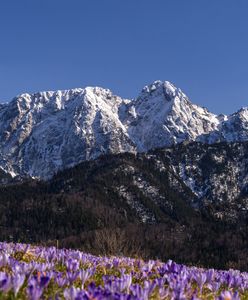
200	278
4	259
72	265
71	293
17	282
213	286
44	281
227	295
34	292
210	275
153	278
127	281
5	282
60	280
71	277
84	275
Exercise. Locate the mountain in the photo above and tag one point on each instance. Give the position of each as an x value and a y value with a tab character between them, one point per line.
163	116
186	202
45	132
156	176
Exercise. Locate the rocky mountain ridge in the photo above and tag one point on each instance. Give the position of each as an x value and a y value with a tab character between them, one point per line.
45	132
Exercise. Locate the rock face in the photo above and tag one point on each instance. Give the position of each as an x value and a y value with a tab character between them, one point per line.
216	174
50	131
163	115
45	132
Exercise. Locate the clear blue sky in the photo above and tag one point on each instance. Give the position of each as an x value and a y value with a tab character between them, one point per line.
199	45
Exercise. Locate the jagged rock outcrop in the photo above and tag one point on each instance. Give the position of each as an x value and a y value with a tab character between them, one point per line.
50	131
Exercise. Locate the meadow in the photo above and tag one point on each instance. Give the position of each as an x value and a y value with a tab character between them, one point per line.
34	272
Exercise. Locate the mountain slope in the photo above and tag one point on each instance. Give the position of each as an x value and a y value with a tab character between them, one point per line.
163	115
216	174
45	132
140	203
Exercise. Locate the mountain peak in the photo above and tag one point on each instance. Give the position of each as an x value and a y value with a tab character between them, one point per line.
159	88
44	132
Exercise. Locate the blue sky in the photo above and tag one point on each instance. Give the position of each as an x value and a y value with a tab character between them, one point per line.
199	45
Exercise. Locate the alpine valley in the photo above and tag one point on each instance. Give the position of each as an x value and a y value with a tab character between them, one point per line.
155	176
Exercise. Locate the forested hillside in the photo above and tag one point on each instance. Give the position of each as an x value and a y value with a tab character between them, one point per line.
124	204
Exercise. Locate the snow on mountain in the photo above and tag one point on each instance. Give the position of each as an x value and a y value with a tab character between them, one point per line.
45	132
233	128
163	115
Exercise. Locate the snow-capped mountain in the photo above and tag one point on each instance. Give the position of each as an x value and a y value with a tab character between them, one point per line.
49	131
162	115
45	132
